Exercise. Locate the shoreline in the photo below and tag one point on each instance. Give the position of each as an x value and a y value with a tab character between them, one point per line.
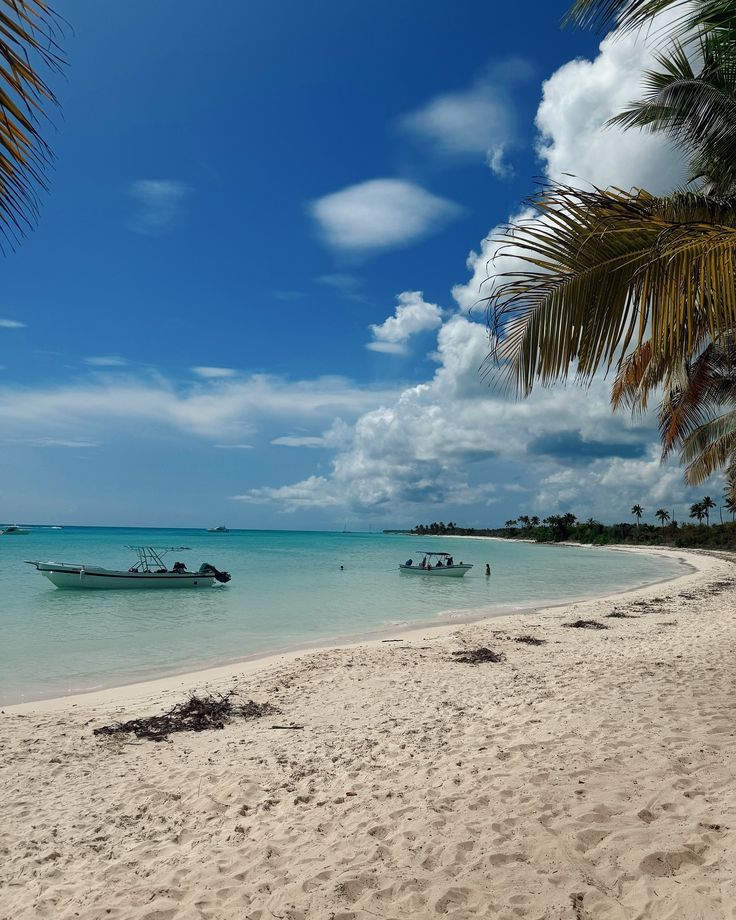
251	665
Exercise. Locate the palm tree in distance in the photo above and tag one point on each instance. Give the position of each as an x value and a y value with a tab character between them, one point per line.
626	279
707	503
697	511
730	503
28	46
534	521
663	516
637	511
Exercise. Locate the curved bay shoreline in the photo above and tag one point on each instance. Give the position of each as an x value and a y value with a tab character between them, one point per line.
591	776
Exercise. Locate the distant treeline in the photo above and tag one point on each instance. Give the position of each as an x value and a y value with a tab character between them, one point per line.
560	527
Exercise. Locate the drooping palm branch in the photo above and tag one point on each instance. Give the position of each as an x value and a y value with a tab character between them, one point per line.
28	46
633	14
604	272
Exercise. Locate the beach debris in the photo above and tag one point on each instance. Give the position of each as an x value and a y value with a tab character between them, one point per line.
197	714
529	640
292	727
478	656
620	615
585	624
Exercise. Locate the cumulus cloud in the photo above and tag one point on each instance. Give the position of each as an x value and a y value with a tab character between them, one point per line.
313	492
413	314
580	97
214	373
159	204
11	324
299	441
380	214
479	121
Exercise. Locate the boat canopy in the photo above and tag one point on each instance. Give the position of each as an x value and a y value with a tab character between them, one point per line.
149	556
426	552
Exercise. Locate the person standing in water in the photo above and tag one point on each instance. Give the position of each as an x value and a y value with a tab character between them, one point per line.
488	570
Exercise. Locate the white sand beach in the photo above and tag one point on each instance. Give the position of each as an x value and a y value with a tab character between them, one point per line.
587	778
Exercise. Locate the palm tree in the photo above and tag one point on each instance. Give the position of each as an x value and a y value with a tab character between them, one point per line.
697	511
637	511
523	519
627	279
28	33
534	521
707	503
730	502
663	516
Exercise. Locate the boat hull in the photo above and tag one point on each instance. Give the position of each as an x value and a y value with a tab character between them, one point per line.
444	571
95	578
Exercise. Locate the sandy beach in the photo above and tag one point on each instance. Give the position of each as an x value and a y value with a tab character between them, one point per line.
585	778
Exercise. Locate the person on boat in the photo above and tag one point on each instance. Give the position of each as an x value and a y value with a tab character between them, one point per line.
439	564
179	567
450	561
488	570
409	563
423	563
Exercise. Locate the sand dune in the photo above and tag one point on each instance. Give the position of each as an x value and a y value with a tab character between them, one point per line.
588	778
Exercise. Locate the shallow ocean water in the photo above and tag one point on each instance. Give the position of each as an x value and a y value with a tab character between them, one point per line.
287	591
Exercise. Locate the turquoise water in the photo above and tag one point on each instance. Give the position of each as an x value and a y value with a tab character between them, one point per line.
287	591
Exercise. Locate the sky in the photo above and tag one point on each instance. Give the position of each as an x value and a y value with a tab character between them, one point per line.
253	295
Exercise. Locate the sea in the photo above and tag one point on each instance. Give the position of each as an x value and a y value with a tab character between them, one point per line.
289	589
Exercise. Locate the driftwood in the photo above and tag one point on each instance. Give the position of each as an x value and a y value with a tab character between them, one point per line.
478	656
197	714
529	640
585	624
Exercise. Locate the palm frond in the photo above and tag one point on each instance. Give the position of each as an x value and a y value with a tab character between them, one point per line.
604	271
633	14
28	45
709	448
696	109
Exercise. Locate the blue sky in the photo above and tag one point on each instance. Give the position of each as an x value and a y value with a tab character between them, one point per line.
250	294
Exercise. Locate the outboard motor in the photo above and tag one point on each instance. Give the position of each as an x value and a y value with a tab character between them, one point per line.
207	569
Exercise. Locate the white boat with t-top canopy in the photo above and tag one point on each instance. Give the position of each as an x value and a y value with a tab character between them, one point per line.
434	563
149	572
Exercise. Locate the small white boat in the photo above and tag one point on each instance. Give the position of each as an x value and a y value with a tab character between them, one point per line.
220	529
436	564
148	572
13	530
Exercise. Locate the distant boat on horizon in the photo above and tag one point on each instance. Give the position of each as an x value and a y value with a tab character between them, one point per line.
220	529
13	530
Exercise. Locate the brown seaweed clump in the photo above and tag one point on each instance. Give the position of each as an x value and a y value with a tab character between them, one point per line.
478	656
197	714
585	624
530	640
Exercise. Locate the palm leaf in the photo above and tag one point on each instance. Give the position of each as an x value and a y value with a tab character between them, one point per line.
633	14
28	45
604	271
709	448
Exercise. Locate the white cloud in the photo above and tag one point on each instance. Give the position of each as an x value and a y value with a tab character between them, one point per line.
234	446
214	373
11	324
106	361
224	408
159	204
310	493
380	214
412	315
580	97
479	121
303	441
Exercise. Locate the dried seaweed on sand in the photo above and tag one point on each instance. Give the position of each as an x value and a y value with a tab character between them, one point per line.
585	624
529	640
197	714
478	656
